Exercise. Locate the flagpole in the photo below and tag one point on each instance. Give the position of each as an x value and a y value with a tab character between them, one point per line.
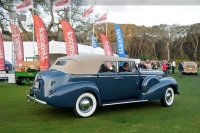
33	33
93	27
107	24
70	19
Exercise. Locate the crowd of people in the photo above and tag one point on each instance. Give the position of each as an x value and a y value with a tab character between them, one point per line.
166	66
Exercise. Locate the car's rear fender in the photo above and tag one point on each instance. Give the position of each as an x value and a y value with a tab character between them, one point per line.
67	95
157	90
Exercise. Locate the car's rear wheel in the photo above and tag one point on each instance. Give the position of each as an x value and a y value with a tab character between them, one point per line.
168	98
86	105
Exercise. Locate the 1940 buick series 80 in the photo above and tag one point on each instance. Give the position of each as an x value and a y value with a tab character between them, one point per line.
84	82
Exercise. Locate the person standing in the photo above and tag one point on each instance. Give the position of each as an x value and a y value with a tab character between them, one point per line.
164	68
168	68
173	66
180	69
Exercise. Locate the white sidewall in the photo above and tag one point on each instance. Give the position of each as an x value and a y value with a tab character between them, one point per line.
93	107
172	100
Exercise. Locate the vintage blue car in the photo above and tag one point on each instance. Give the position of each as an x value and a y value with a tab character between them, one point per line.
83	82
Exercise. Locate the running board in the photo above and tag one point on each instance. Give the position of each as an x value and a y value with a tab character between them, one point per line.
123	102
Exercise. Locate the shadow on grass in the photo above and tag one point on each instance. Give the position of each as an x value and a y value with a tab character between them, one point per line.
137	107
55	112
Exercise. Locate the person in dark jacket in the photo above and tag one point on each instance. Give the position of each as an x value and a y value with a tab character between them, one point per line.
180	69
124	68
168	68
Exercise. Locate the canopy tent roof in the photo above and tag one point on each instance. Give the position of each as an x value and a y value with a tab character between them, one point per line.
56	47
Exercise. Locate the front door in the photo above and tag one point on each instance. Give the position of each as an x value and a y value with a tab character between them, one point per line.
128	84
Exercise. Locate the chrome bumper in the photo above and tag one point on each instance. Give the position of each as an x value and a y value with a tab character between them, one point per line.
33	99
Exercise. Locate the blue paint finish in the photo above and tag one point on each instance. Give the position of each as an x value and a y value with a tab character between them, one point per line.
158	90
66	96
60	89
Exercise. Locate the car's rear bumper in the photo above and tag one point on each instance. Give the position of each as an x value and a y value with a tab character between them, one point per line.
190	72
33	99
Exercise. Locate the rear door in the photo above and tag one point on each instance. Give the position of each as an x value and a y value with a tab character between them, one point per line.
108	81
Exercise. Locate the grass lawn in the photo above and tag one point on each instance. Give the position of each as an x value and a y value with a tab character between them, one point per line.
19	116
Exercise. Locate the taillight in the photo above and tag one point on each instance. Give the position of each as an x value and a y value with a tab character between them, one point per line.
51	91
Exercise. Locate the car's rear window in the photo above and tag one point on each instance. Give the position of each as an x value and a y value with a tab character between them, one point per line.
61	62
190	64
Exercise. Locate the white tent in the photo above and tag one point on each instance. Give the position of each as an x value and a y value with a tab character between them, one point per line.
56	49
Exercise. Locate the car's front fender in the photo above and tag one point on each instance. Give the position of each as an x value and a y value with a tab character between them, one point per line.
67	95
157	91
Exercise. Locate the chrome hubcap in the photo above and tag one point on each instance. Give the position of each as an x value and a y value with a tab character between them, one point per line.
168	96
85	105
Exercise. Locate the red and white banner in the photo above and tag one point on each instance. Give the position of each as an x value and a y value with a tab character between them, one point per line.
106	45
88	12
70	38
60	4
2	56
42	43
27	4
18	44
102	19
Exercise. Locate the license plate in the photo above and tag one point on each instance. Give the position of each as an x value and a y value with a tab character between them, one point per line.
190	68
36	85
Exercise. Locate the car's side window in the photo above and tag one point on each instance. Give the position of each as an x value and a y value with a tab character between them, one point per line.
127	67
108	66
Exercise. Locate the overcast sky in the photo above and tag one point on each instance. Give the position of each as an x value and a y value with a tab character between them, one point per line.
149	15
150	12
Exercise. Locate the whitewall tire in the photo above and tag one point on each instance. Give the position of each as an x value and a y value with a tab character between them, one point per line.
168	98
86	105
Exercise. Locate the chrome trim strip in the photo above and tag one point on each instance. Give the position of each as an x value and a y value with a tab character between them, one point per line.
33	99
85	76
124	102
119	76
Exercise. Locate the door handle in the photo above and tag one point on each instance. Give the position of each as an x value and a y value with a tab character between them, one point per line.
119	78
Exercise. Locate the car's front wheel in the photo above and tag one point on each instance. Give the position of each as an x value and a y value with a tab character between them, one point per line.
86	105
168	98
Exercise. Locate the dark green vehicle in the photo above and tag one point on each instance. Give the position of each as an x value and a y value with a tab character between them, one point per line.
25	77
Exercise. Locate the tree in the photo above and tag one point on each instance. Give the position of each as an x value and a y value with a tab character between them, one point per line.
194	35
167	36
51	18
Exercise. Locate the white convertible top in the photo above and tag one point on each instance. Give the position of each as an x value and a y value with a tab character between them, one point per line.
86	63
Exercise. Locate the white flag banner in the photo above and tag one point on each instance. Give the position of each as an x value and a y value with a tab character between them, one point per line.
60	4
27	4
88	12
102	19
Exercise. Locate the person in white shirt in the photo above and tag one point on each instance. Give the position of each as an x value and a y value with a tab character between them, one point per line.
173	66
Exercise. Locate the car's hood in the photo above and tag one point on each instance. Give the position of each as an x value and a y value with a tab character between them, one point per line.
152	72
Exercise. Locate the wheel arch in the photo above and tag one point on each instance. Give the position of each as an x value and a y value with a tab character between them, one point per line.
97	96
175	88
70	93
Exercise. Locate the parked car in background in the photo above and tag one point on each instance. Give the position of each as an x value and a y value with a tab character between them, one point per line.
190	67
84	82
8	66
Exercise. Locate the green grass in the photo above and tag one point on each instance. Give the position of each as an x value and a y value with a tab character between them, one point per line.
19	116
